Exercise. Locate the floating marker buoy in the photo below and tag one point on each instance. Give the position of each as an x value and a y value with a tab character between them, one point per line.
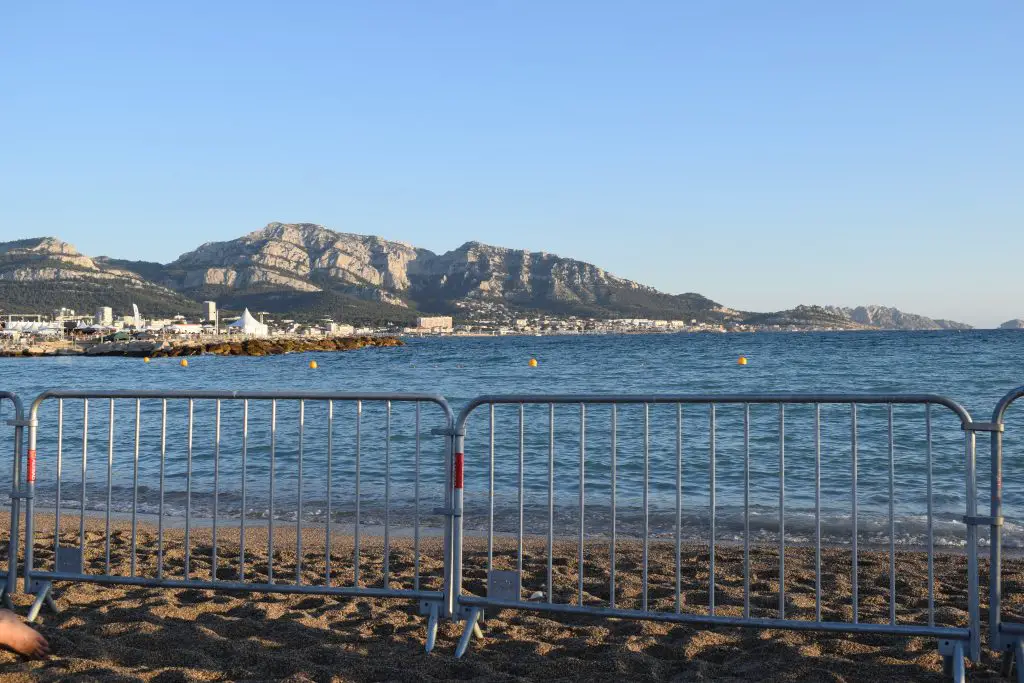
533	362
312	365
146	359
184	362
742	360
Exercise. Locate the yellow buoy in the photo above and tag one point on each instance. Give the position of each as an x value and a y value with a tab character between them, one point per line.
312	365
146	359
742	360
184	362
533	362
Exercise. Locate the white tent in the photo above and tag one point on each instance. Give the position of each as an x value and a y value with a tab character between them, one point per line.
249	325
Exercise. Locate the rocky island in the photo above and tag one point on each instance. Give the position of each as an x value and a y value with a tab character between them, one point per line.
216	347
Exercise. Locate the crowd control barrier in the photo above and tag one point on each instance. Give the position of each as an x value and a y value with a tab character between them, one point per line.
1006	637
146	439
17	421
276	492
575	413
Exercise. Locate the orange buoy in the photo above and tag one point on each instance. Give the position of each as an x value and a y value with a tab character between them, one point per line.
742	360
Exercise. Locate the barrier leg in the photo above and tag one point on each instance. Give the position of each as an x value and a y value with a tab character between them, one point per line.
44	596
1018	653
472	627
432	626
953	664
1006	662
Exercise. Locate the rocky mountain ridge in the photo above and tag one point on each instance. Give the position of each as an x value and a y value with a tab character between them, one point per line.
307	267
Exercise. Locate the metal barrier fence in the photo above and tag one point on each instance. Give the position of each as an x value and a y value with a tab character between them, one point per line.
10	578
244	464
504	588
1004	637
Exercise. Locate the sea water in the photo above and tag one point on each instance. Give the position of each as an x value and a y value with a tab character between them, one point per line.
972	368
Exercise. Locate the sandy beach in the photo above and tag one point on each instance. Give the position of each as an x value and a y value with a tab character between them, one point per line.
128	633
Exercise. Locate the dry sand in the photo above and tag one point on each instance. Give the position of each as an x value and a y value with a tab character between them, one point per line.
126	633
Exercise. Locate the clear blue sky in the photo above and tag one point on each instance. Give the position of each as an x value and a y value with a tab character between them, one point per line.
764	154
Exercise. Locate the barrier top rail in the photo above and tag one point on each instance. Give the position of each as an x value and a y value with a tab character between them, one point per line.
1004	403
19	408
206	394
961	412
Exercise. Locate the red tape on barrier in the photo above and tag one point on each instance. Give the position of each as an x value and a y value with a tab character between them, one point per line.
32	464
459	461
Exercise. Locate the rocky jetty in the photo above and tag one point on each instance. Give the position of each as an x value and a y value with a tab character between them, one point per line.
219	347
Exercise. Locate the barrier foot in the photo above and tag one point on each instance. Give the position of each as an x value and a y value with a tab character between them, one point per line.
953	665
432	627
472	627
6	599
1006	663
44	596
1018	653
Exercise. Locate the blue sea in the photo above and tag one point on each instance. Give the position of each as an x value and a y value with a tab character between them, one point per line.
972	368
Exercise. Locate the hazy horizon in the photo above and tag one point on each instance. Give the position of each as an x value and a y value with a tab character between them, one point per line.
762	156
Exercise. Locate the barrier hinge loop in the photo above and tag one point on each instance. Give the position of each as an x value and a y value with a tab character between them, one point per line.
982	427
983	521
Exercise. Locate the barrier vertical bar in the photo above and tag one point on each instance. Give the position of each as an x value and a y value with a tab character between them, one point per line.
782	511
60	477
330	478
241	523
679	507
611	552
817	512
355	535
711	509
387	496
298	495
551	501
996	535
746	510
416	509
216	492
85	453
270	508
931	531
522	463
490	490
974	606
853	473
647	531
110	483
135	484
583	450
892	523
163	467
188	496
459	460
30	483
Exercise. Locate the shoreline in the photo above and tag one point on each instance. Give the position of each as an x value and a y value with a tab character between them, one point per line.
254	347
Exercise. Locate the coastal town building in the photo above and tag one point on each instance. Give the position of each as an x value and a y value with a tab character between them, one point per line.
437	323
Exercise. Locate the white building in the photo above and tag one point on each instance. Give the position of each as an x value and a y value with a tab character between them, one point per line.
342	330
437	323
210	311
105	316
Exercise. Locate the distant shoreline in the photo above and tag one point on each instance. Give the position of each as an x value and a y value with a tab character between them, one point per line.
255	347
